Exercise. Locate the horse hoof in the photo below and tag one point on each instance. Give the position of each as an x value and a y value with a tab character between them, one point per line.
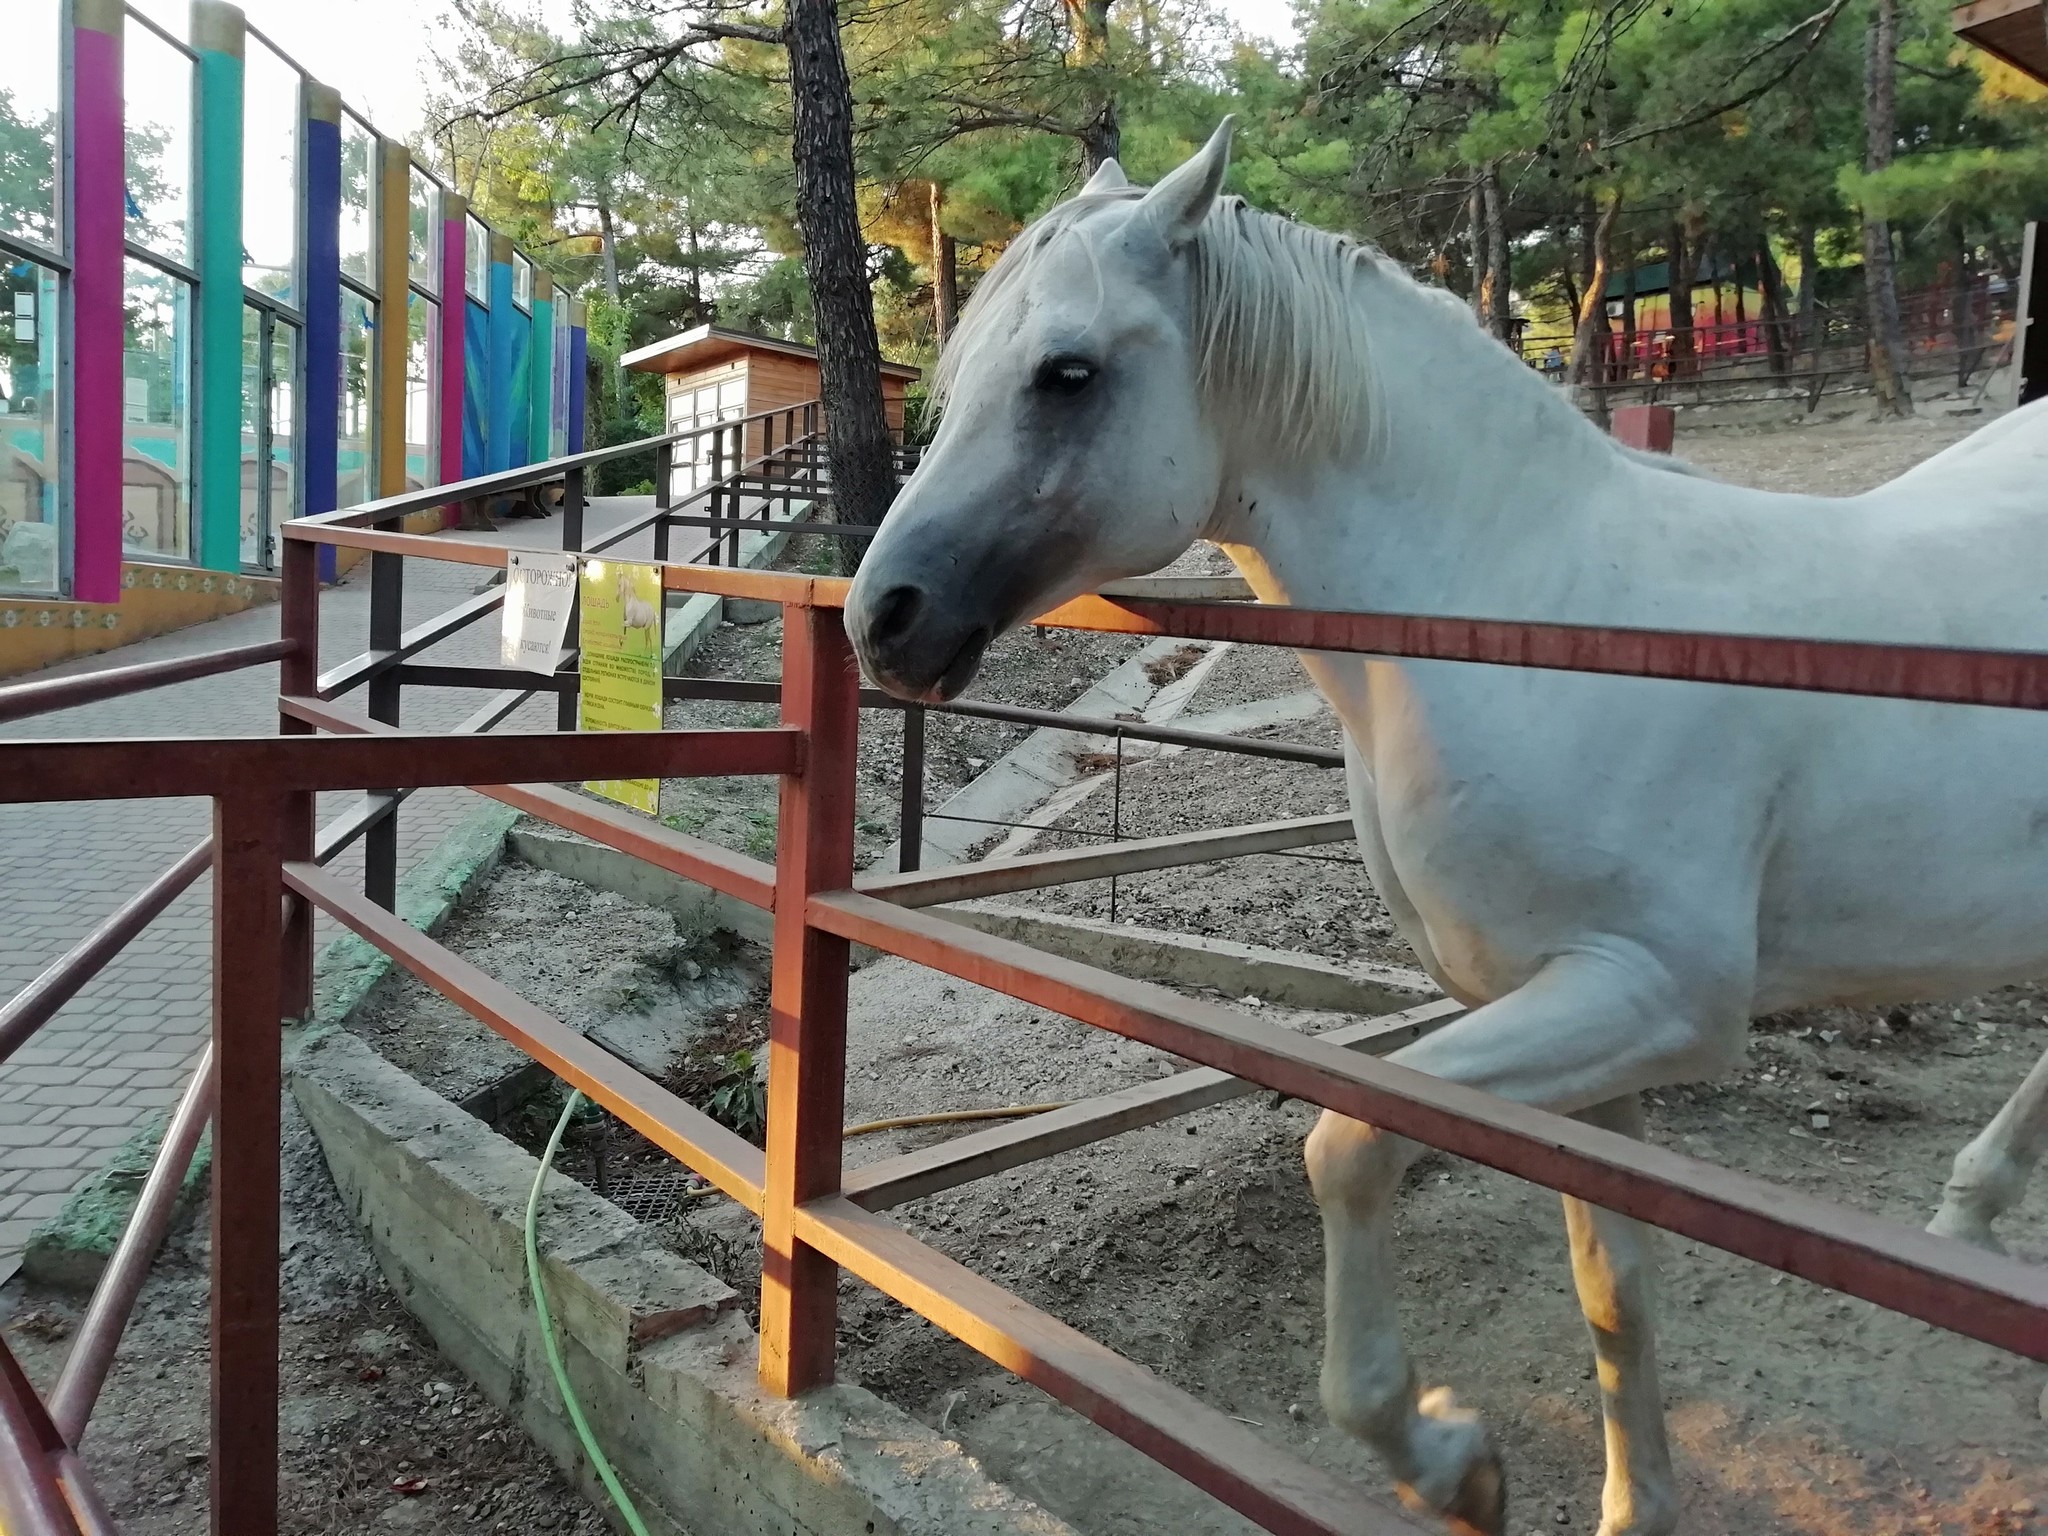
1480	1507
1477	1505
1965	1228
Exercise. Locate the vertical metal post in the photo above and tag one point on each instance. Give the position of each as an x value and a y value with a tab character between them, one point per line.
248	899
2030	330
572	543
1116	814
387	623
716	498
297	675
807	1002
664	461
789	457
732	499
910	819
770	470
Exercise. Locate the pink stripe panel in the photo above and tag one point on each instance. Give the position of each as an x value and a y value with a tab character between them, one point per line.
97	215
454	278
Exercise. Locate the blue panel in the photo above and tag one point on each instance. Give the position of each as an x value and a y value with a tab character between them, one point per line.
476	374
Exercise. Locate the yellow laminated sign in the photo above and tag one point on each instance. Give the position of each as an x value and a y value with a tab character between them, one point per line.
619	632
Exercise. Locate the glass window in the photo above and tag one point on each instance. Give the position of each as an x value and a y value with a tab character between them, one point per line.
478	255
156	433
29	119
269	486
423	240
157	85
522	281
280	383
358	196
355	458
253	358
270	172
29	337
422	333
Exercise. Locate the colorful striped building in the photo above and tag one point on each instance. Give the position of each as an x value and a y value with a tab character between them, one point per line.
229	302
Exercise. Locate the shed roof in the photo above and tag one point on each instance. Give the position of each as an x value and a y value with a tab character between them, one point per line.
708	345
2011	30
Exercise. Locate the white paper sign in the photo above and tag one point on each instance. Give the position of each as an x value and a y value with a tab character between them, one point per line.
540	588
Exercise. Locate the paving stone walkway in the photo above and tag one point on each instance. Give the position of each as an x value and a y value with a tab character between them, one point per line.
125	1045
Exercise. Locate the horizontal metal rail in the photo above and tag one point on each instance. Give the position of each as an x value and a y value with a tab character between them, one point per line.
1034	872
748	691
213	766
2005	679
678	1127
520	477
894	1181
1260	1480
1984	1296
20	700
99	1333
38	1002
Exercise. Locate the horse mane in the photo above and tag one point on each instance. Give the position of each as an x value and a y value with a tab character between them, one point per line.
1281	342
1279	335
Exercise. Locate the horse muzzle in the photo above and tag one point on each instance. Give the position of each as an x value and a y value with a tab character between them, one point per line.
916	645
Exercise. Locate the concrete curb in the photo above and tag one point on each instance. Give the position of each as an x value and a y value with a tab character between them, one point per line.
72	1248
1190	960
663	1362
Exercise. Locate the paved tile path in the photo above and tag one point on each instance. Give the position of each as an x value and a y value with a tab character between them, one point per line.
125	1045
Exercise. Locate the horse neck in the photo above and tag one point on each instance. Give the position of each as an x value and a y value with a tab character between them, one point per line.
1469	498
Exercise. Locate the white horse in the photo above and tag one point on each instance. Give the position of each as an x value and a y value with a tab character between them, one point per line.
1616	873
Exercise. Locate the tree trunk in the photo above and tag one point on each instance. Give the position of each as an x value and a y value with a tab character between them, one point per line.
1679	274
611	251
835	261
1101	136
1880	278
945	276
1475	213
1500	268
1809	292
1589	344
1772	282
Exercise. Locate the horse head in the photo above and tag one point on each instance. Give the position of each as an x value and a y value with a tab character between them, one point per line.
1073	449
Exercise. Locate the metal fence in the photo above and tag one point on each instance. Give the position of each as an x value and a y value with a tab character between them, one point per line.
817	1219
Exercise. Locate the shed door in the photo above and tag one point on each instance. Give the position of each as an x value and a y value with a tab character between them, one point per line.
700	407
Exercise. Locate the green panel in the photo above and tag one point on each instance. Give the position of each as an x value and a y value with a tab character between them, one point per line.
542	369
217	218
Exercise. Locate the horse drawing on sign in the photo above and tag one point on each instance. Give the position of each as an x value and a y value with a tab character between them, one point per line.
1616	874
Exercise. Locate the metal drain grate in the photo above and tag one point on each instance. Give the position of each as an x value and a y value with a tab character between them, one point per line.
655	1198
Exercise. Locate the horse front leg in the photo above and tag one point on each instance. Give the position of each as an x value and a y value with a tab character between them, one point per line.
1615	1269
1588	1029
1990	1174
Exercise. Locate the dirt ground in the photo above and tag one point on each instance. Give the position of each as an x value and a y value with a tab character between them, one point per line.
1192	1247
379	1433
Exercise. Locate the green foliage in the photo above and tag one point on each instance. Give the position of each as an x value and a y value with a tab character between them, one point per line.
738	1099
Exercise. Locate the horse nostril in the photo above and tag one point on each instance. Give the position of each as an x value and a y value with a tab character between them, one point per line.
895	611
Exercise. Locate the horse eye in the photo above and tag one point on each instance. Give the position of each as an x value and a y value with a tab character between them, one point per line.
1064	375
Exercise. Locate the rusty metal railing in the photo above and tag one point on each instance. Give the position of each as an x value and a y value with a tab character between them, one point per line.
815	1220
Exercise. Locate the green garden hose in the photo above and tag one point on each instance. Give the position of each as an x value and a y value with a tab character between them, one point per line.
547	1329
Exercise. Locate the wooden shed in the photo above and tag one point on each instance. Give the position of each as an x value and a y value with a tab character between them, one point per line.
713	374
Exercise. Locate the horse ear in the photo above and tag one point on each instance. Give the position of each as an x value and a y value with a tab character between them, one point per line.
1108	177
1179	203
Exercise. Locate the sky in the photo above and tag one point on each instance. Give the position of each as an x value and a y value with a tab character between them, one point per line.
372	51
